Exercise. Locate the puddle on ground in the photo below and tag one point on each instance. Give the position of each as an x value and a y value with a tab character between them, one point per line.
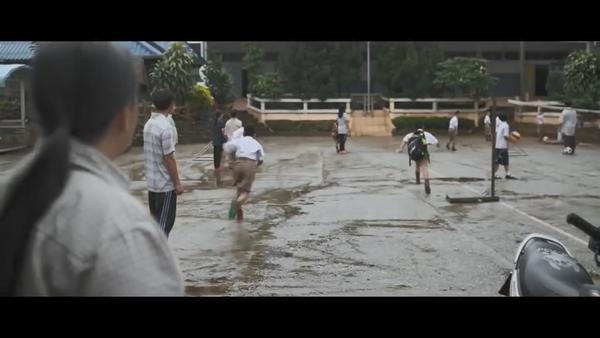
434	223
458	179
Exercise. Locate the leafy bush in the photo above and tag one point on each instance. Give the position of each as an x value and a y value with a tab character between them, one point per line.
200	99
301	128
582	78
408	123
219	81
464	76
174	71
266	86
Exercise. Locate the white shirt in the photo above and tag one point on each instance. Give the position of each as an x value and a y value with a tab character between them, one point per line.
501	132
487	121
568	121
238	133
158	142
540	119
430	139
232	125
246	147
175	136
453	123
342	124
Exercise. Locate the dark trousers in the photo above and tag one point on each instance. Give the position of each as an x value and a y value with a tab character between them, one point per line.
569	141
162	207
342	141
217	154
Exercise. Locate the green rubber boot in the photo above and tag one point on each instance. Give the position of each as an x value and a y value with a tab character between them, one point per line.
232	209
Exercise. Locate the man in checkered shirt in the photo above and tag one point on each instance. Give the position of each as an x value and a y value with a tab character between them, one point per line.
162	177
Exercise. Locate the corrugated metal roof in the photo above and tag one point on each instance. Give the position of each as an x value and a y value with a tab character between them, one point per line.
15	50
7	70
139	48
21	50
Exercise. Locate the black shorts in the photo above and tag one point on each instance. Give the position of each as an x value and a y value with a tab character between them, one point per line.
502	156
217	153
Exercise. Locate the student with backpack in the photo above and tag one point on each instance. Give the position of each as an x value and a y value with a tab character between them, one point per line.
417	142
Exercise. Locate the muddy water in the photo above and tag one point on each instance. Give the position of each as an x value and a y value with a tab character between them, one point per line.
318	223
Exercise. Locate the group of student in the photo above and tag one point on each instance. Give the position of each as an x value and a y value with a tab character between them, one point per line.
237	145
418	140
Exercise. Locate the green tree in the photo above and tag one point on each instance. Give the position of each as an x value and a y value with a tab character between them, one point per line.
267	85
416	71
308	70
345	60
389	57
295	63
218	80
407	70
253	62
174	71
582	78
464	76
260	84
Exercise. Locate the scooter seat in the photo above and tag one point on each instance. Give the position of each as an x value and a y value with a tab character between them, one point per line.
545	269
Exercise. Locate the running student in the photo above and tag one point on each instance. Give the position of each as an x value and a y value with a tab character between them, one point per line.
162	177
502	137
69	225
249	154
417	142
452	131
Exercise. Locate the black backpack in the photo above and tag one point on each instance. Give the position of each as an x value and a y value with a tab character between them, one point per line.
417	147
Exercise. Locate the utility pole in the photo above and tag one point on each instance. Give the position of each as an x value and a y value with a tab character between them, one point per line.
369	76
522	68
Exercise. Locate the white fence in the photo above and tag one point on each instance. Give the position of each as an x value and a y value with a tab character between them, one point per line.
394	105
551	118
550	105
261	106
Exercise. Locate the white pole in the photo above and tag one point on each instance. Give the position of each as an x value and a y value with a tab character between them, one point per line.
369	76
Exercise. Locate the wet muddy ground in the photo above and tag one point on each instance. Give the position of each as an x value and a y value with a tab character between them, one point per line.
319	223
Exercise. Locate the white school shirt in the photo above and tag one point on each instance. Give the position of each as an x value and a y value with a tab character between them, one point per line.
501	132
568	121
429	138
238	133
232	125
245	147
487	121
453	123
